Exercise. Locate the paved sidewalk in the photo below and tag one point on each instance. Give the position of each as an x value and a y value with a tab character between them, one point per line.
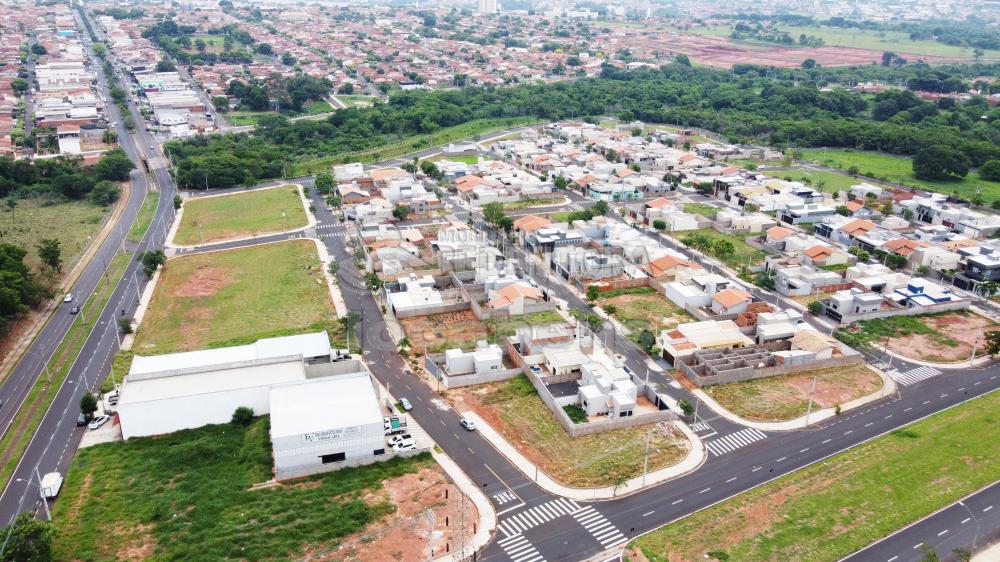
691	462
888	387
990	554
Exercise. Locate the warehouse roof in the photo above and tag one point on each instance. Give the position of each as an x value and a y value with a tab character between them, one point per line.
317	407
205	382
304	345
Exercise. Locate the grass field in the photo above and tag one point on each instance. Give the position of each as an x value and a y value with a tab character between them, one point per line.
213	44
499	329
895	41
786	397
356	101
823	181
834	507
73	224
641	310
260	211
411	144
741	255
145	217
899	169
186	496
236	296
703	209
590	460
465	158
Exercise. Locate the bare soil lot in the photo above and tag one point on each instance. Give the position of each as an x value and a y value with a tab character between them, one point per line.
439	332
786	397
954	337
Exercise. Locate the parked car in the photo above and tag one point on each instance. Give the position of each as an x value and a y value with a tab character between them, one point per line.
467	424
535	369
81	420
51	484
405	445
68	297
405	404
74	310
113	398
98	422
397	439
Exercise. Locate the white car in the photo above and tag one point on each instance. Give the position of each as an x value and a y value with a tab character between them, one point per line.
405	404
468	424
399	439
68	298
98	422
405	445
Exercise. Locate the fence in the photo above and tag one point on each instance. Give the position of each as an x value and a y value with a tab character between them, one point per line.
300	472
743	375
915	311
470	379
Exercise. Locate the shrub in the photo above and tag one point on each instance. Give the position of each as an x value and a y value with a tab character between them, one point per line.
242	416
575	413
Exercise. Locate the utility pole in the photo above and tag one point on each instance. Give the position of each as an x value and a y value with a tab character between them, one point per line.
41	493
645	460
431	519
809	409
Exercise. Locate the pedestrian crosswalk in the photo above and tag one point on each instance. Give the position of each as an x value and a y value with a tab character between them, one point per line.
519	549
599	527
520	522
730	442
914	376
701	426
504	497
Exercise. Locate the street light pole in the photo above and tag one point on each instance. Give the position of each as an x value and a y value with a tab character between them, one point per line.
41	493
645	461
809	409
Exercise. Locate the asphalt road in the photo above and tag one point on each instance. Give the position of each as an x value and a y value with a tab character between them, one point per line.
52	445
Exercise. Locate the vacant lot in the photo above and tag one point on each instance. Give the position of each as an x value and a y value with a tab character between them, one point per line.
439	332
186	496
899	169
261	211
743	253
832	508
786	397
236	296
514	409
643	309
895	41
464	158
73	224
824	181
940	337
501	328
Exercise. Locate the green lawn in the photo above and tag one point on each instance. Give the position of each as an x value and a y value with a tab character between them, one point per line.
561	216
244	118
186	496
640	310
260	211
501	328
145	217
589	460
823	181
72	223
786	397
743	252
317	107
899	169
703	209
465	158
835	507
213	44
356	101
236	296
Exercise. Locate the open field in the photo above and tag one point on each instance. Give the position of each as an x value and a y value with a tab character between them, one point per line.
411	144
823	181
514	409
834	507
236	296
439	332
895	41
261	211
243	118
743	252
947	337
213	44
500	329
464	158
786	397
186	496
899	169
644	310
356	100
73	224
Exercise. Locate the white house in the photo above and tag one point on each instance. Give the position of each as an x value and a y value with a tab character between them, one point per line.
484	359
605	389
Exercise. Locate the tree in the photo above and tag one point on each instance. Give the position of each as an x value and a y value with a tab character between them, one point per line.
993	343
109	136
115	165
177	201
977	199
50	253
908	214
816	308
242	416
681	58
430	169
324	182
646	341
560	182
287	59
151	260
29	539
125	325
88	404
723	248
939	162
990	170
843	210
506	224
750	207
19	85
401	212
333	268
493	212
200	45
104	193
685	407
600	208
220	103
38	49
660	224
346	89
166	65
373	282
895	261
593	293
264	49
809	64
853	171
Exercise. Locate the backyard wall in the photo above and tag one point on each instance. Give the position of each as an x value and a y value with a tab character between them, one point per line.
742	375
918	311
433	363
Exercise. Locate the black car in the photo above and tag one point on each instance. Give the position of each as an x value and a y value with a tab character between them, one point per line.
81	420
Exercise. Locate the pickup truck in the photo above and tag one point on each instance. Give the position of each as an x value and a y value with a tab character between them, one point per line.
393	425
51	484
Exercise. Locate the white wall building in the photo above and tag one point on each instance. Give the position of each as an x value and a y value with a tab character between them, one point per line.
484	359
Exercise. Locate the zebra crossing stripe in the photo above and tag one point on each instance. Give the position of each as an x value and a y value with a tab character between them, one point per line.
520	550
701	426
915	375
731	442
538	515
603	531
504	497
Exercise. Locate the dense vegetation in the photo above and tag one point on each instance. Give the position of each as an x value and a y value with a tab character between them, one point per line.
20	289
64	177
291	92
176	41
747	106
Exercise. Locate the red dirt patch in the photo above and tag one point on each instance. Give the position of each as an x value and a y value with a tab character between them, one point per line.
962	329
205	281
